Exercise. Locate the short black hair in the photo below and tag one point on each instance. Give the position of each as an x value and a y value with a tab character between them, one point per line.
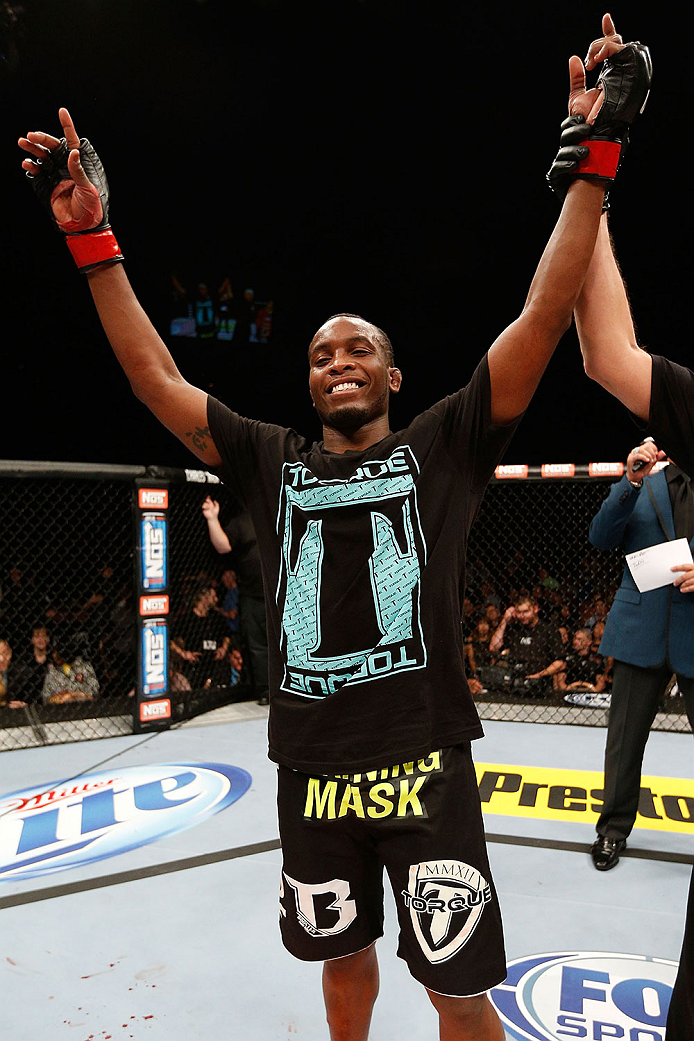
382	338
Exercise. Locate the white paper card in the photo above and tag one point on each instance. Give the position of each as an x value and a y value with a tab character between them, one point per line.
650	567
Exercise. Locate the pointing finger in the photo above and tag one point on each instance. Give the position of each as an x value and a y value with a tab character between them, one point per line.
608	28
68	126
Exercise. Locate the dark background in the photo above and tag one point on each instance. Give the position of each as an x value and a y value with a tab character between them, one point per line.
373	156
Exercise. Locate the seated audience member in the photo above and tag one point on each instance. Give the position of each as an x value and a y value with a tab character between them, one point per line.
201	642
597	631
236	664
35	663
476	648
583	670
12	679
469	616
69	677
528	646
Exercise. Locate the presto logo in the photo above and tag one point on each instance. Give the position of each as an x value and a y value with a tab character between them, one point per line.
583	994
98	815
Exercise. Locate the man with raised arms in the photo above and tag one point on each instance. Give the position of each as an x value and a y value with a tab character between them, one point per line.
363	539
660	394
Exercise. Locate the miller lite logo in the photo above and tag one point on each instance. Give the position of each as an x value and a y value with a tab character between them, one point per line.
153	498
446	899
154	605
605	469
151	711
153	550
68	824
557	470
155	657
515	470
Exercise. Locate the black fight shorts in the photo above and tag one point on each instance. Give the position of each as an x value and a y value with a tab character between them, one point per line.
421	821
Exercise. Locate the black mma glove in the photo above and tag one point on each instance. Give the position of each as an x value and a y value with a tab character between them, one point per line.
89	237
596	151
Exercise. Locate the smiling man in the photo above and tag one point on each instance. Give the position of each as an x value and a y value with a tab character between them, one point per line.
363	541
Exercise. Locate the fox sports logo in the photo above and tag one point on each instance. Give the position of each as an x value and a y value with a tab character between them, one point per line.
68	824
586	994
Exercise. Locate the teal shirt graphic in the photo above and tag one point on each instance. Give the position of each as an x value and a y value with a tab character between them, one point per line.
352	556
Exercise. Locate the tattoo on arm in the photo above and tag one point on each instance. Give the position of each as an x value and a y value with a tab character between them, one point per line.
199	438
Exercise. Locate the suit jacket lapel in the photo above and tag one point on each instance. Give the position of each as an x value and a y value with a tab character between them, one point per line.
661	495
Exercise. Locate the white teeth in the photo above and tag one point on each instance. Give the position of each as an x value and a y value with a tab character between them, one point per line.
344	386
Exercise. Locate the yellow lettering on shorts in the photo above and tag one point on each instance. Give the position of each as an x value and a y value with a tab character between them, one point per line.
351	800
381	794
320	799
410	798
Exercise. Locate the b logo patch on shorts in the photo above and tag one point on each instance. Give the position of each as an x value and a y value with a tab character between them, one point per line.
446	899
325	909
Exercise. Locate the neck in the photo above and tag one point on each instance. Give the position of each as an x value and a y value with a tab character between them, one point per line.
356	440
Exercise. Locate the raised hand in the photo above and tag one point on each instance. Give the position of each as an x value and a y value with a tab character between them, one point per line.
74	200
210	508
609	43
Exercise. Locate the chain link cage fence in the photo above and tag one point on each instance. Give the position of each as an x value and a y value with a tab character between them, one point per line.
70	601
95	623
530	540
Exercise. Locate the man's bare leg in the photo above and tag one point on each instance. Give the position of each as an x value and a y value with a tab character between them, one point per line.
467	1019
350	988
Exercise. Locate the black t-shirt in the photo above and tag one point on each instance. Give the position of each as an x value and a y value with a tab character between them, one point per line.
582	668
671	419
536	646
245	555
200	634
363	557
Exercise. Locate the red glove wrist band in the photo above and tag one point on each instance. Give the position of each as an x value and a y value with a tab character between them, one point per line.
91	249
602	160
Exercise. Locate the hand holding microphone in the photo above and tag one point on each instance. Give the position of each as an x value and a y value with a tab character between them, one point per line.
642	459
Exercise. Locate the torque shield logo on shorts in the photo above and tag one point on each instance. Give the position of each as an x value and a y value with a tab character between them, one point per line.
585	994
446	899
352	555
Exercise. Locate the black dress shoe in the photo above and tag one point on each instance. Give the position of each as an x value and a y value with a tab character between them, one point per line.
605	852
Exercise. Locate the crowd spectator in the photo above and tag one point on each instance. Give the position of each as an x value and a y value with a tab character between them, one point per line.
236	664
201	642
528	645
69	677
583	670
35	664
229	607
477	652
11	680
238	538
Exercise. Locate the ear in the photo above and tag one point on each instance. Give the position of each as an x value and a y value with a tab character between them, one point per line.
394	380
